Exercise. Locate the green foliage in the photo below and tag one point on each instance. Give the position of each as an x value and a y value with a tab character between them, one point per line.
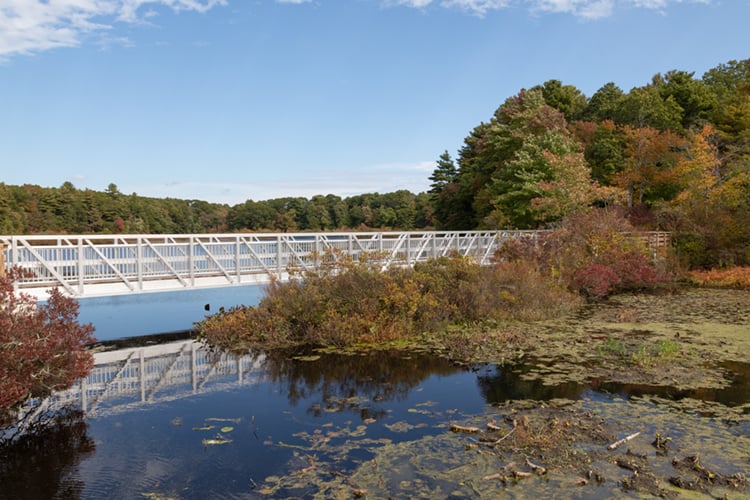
639	353
525	153
567	99
645	107
603	104
345	303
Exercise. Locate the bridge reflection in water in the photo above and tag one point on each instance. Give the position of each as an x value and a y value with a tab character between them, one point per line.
126	378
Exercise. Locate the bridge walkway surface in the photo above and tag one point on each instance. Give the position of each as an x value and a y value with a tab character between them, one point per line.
101	265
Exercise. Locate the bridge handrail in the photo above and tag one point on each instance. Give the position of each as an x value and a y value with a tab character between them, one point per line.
133	262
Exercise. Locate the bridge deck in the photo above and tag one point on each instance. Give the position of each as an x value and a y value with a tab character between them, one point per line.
92	265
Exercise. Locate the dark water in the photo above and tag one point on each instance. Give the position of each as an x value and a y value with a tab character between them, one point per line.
280	417
133	315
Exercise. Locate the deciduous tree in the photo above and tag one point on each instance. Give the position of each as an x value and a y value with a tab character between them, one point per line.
41	345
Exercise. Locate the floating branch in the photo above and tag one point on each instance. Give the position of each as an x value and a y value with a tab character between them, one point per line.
623	440
468	430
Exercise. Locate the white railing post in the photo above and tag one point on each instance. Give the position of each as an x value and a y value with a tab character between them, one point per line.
14	259
139	262
191	260
408	249
278	256
237	260
80	266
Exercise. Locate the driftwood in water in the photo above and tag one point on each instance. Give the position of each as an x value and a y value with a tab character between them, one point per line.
623	440
468	430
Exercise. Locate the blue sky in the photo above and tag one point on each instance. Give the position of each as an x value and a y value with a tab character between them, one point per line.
228	100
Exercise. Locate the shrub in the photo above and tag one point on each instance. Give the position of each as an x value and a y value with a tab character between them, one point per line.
41	346
356	302
595	280
593	253
734	277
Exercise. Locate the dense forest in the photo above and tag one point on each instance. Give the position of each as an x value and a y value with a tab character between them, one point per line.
31	209
673	154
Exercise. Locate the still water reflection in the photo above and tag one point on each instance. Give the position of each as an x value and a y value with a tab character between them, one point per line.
226	443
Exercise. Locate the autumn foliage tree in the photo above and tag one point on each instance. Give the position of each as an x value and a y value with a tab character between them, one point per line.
650	157
41	346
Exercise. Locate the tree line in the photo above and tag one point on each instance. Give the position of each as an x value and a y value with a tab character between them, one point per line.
32	209
673	154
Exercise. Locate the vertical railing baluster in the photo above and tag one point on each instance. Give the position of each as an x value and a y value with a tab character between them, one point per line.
191	260
139	262
81	267
408	249
14	259
278	256
237	261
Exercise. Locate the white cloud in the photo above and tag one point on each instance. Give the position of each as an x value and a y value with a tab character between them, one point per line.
31	26
417	4
479	7
587	9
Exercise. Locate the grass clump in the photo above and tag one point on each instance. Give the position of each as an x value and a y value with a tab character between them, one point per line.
345	302
639	353
734	277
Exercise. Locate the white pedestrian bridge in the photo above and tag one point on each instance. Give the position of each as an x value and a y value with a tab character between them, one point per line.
99	265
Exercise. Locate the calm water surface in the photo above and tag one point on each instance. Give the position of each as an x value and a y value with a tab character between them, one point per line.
133	315
293	410
225	442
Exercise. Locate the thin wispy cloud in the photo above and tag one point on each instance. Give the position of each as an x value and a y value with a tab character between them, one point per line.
586	9
32	26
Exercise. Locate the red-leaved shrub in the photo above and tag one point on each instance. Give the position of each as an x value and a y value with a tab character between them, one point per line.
595	280
41	345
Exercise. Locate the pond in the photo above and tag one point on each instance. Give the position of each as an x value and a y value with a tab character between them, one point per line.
121	316
340	425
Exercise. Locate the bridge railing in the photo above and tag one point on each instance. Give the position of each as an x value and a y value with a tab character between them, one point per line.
137	263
